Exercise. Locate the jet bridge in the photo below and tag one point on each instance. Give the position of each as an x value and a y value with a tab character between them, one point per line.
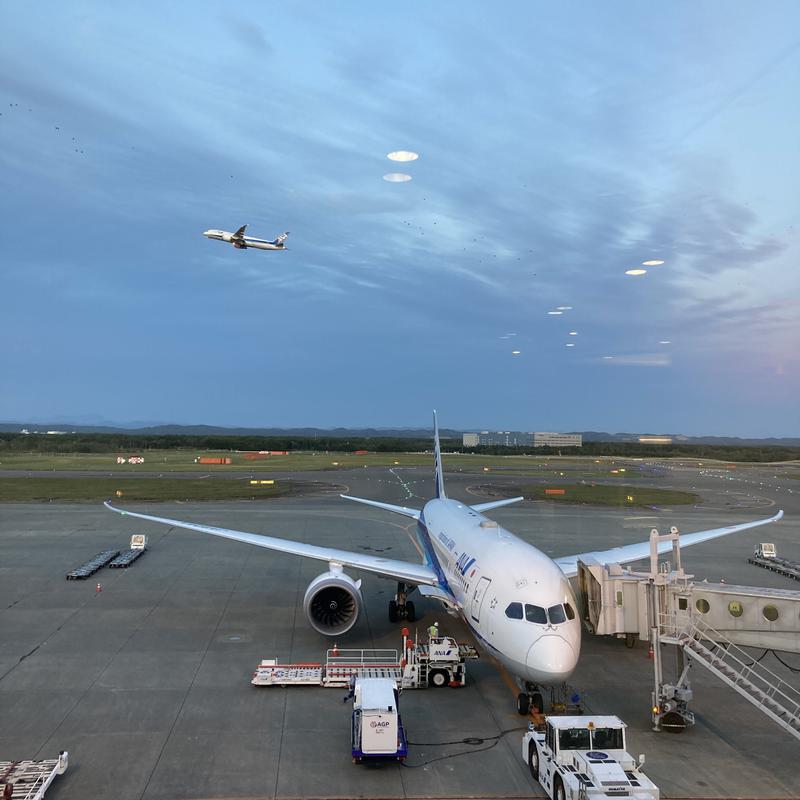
708	622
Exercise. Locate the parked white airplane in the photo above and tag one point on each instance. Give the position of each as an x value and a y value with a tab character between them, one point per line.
242	242
517	601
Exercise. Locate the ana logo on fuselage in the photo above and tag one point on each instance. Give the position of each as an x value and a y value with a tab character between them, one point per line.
464	563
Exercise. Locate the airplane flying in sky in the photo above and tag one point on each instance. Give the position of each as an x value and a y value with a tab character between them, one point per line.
242	242
516	600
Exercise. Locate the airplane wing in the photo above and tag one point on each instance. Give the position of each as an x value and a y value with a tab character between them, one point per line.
407	572
640	550
240	232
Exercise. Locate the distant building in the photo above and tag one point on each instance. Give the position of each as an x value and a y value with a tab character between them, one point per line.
498	439
542	439
655	440
521	439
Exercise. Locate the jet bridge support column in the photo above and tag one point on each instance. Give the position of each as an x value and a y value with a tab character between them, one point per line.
670	701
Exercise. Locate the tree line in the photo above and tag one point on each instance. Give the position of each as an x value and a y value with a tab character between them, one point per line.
133	443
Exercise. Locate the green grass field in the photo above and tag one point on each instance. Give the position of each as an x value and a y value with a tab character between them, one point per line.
38	489
185	461
605	495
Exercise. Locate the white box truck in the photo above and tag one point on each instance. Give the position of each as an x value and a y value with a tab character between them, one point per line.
377	727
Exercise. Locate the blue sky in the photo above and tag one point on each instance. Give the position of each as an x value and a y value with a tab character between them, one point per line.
560	144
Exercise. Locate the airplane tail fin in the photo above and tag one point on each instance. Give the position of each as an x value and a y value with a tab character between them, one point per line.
240	232
440	493
280	239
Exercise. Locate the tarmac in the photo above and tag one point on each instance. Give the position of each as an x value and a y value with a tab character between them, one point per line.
147	682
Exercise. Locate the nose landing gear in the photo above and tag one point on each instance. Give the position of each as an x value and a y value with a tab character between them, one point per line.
564	699
530	700
400	607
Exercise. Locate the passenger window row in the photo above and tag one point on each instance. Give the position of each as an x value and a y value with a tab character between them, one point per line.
555	615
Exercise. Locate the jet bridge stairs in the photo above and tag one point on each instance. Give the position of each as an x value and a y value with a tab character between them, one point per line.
709	623
710	648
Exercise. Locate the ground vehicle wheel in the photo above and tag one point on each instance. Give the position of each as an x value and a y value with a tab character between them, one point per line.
523	703
558	789
411	612
537	702
393	611
438	678
673	722
533	760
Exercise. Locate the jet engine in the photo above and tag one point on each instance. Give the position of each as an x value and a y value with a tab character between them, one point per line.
332	603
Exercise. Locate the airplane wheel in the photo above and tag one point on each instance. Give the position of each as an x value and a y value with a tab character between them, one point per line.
523	703
411	612
393	616
533	760
537	701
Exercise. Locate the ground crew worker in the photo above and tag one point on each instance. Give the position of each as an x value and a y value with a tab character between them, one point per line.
433	632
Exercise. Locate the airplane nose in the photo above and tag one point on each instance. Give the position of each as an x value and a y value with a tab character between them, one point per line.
551	659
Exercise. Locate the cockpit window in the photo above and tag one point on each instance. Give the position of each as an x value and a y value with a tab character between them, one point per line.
570	612
535	614
573	739
514	611
556	615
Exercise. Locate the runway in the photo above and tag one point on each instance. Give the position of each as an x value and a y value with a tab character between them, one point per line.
146	683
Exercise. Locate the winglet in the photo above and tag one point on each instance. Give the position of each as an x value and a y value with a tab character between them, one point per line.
440	493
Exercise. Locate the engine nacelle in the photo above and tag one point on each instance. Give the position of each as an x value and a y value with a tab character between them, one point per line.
332	603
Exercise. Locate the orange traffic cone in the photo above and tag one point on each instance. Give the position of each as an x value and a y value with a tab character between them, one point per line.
98	589
650	652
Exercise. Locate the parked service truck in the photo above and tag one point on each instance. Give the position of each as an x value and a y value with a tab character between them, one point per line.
584	757
376	724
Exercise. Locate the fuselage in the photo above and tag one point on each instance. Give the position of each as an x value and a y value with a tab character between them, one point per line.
515	599
243	242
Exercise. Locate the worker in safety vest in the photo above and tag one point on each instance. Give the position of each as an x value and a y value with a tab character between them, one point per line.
433	632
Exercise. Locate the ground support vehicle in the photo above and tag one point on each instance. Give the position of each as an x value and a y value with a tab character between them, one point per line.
90	567
765	555
376	725
441	662
127	557
29	780
582	757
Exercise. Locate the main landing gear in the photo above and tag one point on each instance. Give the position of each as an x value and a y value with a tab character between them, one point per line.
400	608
